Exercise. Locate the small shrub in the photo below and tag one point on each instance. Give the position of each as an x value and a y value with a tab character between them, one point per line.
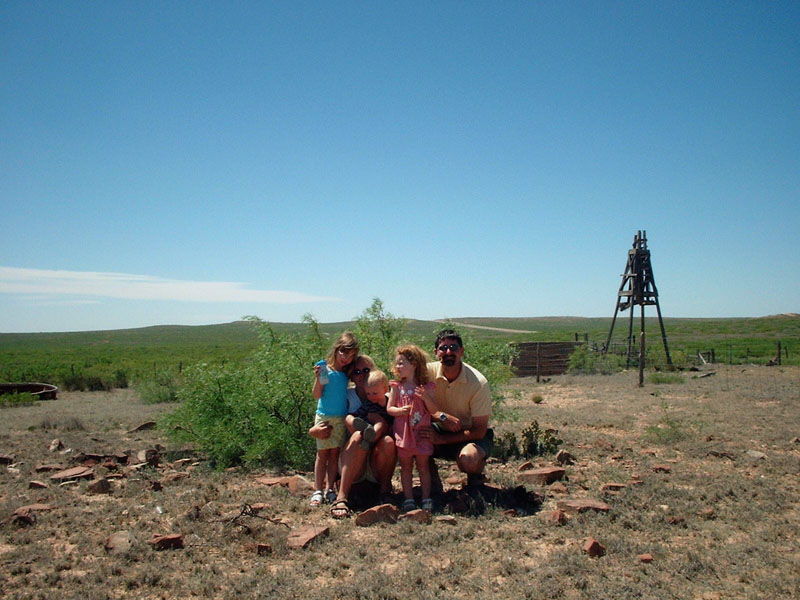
163	388
586	361
535	442
668	429
17	399
120	379
537	398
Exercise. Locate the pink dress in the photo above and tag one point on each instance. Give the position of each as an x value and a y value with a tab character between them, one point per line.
405	427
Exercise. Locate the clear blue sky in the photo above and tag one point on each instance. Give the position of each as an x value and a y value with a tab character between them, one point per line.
194	162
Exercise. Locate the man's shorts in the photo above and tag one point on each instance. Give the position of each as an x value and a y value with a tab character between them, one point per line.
338	432
451	451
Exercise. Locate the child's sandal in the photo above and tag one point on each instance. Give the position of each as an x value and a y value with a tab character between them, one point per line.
427	504
368	433
317	499
408	504
330	496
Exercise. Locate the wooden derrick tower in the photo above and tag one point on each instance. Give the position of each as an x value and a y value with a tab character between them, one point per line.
638	288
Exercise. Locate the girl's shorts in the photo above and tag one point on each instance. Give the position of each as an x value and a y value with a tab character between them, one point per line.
338	432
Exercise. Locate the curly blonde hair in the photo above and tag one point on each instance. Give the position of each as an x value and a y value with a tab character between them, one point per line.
417	357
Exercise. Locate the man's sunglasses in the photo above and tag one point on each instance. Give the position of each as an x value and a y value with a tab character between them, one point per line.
451	347
365	371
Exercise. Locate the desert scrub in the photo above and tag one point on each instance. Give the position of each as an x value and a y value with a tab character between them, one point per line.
533	441
668	429
586	361
162	388
17	399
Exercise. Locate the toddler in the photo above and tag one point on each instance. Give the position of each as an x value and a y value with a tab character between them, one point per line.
371	418
411	404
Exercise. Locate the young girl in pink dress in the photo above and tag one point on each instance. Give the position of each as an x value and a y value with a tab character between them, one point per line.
411	404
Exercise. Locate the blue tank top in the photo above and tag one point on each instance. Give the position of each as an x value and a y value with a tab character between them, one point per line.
333	402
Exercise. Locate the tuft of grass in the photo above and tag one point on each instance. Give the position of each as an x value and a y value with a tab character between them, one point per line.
17	399
537	398
668	429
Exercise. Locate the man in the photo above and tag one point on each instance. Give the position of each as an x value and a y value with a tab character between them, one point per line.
461	430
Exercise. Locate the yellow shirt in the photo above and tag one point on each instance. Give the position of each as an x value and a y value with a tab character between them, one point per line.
466	397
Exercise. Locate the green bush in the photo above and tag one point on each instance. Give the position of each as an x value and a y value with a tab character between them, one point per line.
535	442
586	361
658	378
17	399
379	333
256	413
162	388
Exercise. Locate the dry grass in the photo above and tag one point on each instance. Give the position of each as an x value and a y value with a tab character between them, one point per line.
721	523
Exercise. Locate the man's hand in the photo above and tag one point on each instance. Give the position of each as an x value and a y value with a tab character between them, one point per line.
450	423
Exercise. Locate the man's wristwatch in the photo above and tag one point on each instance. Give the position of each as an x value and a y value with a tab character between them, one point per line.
443	417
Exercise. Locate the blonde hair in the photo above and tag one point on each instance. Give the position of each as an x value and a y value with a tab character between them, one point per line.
346	342
417	357
376	378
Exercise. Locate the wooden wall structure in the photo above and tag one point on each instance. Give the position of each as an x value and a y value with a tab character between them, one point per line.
542	358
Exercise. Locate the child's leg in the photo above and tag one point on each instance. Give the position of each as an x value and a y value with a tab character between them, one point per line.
348	422
379	424
423	466
407	475
320	469
333	467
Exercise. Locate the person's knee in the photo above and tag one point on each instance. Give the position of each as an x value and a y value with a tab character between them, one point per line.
471	459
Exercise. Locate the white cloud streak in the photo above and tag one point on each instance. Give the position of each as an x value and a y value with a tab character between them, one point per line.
140	287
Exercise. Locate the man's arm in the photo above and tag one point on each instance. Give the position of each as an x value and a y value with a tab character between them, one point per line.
477	431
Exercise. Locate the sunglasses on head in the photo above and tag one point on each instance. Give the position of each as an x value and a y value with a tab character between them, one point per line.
451	347
365	371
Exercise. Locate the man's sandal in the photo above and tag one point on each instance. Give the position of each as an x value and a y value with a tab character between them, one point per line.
368	433
317	498
340	509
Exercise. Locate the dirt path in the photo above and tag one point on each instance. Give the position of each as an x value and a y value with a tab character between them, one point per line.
460	324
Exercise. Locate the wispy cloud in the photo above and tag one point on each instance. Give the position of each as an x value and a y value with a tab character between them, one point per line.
140	287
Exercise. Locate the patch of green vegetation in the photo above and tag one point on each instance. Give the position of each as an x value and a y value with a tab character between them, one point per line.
534	441
659	378
587	361
668	430
17	399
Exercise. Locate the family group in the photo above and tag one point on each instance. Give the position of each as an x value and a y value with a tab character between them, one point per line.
366	423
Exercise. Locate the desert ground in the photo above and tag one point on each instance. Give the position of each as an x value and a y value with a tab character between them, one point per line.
694	483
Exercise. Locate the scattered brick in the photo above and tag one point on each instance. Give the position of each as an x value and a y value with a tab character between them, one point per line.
645	558
37	485
284	481
146	426
455	480
73	473
259	548
99	486
170	477
40	468
384	513
556	517
612	487
446	519
171	541
418	515
593	548
582	505
150	456
300	486
707	513
56	445
675	520
526	465
542	476
5	459
30	510
661	469
564	458
301	538
558	488
119	542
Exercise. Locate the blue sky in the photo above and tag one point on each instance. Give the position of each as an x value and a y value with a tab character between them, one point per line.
191	163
